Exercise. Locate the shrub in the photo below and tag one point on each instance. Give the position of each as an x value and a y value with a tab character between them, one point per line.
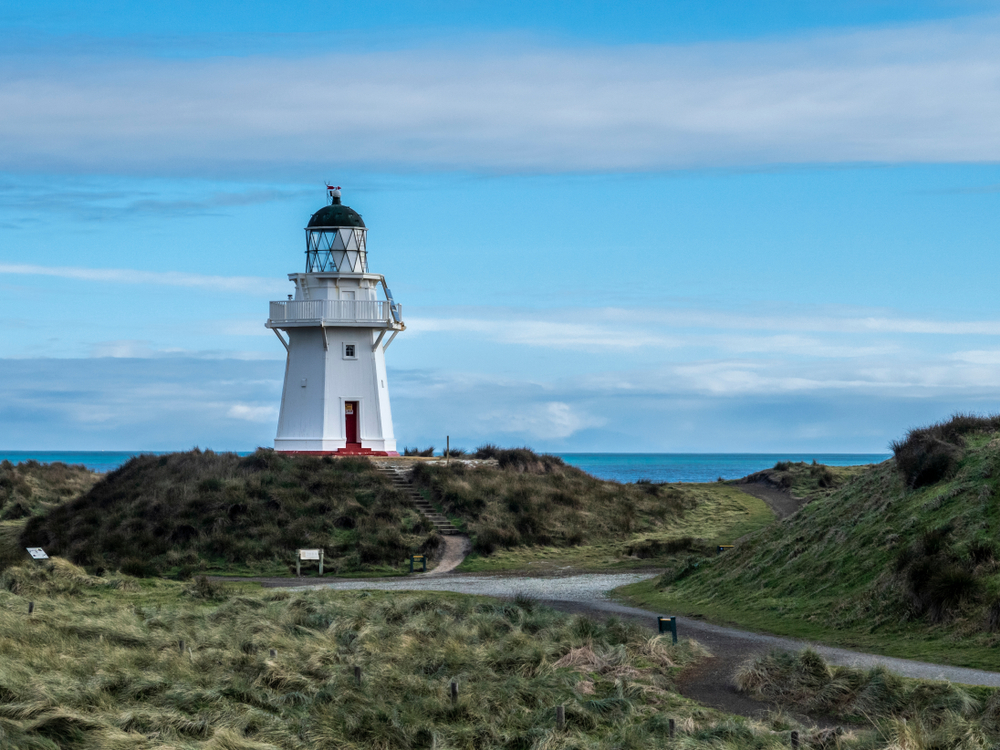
930	454
937	579
426	452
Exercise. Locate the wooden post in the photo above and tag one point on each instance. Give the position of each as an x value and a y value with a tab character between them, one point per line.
273	653
670	728
560	717
180	646
668	623
31	607
447	448
357	675
321	562
298	564
795	740
454	693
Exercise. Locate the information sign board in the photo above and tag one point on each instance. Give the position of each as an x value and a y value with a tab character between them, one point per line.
309	554
37	553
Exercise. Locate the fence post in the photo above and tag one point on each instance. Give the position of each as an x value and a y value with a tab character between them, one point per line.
795	740
560	717
31	607
670	728
670	623
180	646
454	693
357	675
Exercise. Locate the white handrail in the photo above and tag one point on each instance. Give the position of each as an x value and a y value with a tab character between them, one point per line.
347	310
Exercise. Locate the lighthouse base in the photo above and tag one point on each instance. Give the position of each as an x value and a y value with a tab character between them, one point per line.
350	450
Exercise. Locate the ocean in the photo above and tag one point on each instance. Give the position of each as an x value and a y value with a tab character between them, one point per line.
619	467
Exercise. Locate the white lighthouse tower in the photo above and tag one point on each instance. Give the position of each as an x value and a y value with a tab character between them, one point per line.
336	397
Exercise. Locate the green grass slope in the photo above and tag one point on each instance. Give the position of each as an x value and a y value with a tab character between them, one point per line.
534	510
803	480
192	512
903	560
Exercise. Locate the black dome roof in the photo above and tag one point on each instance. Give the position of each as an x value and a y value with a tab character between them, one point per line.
336	215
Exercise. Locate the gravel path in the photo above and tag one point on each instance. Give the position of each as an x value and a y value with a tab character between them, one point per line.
456	547
780	501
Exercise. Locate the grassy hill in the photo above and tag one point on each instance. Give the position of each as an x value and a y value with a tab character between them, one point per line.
187	513
184	513
535	510
31	488
904	559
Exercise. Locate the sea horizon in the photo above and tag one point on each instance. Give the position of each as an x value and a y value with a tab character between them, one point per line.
618	467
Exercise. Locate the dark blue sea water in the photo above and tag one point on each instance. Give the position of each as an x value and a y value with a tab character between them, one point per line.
700	467
620	467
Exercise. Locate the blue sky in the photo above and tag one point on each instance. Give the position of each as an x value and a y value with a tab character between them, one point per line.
672	226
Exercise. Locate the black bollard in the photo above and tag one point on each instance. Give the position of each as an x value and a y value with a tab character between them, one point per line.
795	740
560	717
357	675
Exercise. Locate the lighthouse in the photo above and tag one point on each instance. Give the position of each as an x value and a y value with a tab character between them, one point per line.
337	326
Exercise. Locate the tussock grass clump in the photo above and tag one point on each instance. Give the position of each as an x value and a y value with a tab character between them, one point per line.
30	487
425	452
188	512
804	681
533	499
928	455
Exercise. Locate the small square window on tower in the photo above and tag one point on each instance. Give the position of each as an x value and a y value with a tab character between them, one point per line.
350	351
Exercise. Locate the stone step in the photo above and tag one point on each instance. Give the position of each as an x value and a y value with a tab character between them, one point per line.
440	523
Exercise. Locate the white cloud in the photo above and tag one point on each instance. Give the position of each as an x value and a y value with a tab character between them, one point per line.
241	284
544	421
253	413
927	93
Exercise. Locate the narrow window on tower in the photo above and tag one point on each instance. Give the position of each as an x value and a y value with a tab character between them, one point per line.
350	351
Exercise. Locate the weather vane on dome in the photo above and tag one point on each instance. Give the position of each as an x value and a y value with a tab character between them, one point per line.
334	192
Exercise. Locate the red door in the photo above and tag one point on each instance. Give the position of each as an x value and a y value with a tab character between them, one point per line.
351	421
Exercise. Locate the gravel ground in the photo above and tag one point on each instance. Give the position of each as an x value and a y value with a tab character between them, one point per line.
582	588
456	547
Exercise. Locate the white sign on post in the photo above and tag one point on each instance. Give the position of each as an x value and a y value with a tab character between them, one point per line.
37	553
309	554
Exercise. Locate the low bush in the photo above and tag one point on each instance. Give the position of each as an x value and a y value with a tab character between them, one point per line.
535	499
929	454
426	452
804	681
938	580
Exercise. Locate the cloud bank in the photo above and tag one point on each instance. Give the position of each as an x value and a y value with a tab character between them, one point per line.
254	285
929	93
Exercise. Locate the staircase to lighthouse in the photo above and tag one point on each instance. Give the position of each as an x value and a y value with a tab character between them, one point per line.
338	323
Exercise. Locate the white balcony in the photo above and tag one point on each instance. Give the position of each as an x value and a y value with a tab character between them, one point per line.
360	313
